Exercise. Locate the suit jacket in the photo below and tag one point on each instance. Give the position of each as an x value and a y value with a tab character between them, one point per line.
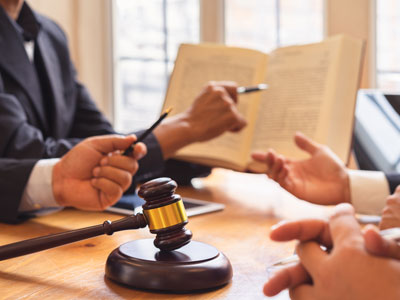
37	123
394	181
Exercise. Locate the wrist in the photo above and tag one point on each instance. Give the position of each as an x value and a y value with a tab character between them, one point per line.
175	133
57	184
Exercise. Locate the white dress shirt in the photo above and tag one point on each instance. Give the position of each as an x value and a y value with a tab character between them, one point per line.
38	197
369	190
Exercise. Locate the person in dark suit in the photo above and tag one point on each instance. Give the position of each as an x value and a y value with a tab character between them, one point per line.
324	179
87	177
45	111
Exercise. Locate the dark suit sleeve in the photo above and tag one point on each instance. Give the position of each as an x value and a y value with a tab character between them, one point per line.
14	175
19	139
394	181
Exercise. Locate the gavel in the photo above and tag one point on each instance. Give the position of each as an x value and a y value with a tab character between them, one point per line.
163	213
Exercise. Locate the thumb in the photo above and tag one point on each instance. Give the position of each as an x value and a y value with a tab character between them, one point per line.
305	143
378	245
110	143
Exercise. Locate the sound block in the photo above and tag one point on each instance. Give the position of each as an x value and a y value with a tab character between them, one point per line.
195	266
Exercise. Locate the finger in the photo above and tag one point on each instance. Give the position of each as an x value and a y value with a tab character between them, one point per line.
121	177
238	123
270	160
120	162
139	151
344	226
231	88
397	190
283	174
276	168
259	156
393	200
305	143
110	143
302	292
285	278
239	126
303	230
378	245
389	220
238	120
311	256
112	191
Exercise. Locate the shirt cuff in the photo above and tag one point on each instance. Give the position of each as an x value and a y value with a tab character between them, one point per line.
369	190
38	194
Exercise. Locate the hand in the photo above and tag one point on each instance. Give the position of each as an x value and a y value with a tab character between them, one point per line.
347	272
321	179
213	112
378	245
93	175
391	212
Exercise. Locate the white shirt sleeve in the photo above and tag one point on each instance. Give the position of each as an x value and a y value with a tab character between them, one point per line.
369	190
38	195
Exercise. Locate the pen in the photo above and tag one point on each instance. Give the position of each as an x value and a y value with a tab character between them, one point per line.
147	132
250	89
390	234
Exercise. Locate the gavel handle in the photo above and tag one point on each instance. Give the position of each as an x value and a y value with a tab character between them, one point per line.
58	239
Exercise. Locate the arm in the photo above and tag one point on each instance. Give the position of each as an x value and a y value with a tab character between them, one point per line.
320	179
213	112
14	175
324	179
327	275
89	177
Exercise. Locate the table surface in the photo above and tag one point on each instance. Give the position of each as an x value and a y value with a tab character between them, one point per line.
76	271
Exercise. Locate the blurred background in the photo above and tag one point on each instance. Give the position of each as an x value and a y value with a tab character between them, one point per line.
124	50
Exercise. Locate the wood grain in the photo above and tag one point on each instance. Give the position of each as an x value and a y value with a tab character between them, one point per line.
76	271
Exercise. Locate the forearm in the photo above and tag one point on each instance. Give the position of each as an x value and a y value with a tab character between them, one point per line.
153	165
173	134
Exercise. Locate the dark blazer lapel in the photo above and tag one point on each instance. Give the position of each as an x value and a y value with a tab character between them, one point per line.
15	61
53	70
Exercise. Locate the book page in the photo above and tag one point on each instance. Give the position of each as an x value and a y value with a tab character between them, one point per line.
198	64
342	94
301	83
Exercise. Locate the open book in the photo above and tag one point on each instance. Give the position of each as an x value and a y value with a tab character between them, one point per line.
312	88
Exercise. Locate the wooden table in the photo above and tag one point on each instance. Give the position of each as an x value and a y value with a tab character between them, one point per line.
76	271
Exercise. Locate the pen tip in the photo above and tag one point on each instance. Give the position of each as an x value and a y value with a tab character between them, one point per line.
168	110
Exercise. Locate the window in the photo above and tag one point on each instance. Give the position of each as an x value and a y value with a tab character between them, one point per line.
388	44
148	33
266	25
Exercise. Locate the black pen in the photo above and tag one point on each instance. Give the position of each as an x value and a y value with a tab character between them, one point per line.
250	89
147	132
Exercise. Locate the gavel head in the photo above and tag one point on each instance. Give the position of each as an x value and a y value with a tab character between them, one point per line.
165	213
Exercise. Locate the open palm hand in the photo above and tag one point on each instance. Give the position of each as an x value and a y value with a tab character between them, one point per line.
320	179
